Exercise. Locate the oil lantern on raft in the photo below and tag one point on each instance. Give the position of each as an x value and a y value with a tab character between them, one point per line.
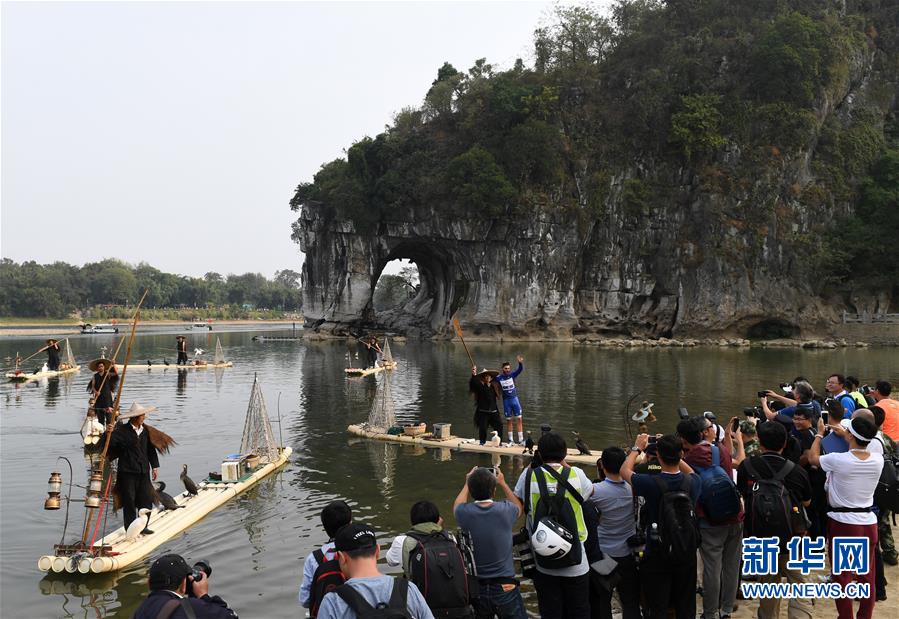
54	489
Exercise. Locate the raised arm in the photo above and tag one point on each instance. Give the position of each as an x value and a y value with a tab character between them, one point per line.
510	494
814	452
627	469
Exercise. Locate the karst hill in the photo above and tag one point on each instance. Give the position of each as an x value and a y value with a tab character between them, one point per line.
675	168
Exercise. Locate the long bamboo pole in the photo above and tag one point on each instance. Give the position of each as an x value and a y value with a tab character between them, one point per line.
115	406
106	374
458	329
41	350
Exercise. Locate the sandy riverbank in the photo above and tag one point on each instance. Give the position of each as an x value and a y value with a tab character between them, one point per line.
54	329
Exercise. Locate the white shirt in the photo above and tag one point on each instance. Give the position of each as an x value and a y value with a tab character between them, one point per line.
876	445
851	482
394	555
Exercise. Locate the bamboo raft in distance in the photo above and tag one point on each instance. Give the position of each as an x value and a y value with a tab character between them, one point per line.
275	338
457	443
22	377
387	365
174	366
165	525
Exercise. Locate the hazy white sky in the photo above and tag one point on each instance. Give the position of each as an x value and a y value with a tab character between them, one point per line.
175	133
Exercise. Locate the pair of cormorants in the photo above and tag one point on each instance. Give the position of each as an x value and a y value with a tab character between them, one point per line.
166	500
581	445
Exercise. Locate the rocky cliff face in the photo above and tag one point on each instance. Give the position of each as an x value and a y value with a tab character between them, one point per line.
711	249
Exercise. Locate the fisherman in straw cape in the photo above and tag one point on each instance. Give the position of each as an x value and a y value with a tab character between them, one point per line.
136	446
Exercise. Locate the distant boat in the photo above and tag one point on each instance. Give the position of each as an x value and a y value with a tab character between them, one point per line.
88	328
199	324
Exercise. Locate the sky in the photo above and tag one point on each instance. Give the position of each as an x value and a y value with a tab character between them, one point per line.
175	133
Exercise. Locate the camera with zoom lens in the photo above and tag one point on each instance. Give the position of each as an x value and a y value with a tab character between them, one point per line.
754	411
201	570
521	542
866	390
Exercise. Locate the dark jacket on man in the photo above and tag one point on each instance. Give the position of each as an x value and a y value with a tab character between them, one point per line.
205	607
136	454
105	397
485	394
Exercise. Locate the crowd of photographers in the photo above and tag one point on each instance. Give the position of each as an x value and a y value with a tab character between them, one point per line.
661	522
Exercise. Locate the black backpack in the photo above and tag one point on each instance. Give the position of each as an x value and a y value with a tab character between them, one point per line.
677	536
558	508
395	609
719	497
327	578
437	568
886	496
773	509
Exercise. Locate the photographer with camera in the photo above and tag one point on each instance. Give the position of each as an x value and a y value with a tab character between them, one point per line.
178	591
553	497
804	400
489	523
668	567
614	500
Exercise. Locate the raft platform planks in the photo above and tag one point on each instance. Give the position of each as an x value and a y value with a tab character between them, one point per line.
457	443
174	366
369	371
165	524
269	338
25	377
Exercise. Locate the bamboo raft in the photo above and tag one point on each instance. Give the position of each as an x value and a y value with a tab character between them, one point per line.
22	377
369	371
275	338
457	443
115	552
173	366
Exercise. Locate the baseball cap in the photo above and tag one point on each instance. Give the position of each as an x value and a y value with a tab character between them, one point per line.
168	571
355	536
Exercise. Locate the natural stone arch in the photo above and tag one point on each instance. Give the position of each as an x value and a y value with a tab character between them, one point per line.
444	283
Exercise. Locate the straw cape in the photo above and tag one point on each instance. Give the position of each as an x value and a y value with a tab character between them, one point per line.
106	362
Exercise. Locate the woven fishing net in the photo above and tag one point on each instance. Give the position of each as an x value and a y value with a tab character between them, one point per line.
70	358
219	353
383	409
257	430
387	356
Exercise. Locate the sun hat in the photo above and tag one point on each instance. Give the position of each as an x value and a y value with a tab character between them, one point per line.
93	364
136	410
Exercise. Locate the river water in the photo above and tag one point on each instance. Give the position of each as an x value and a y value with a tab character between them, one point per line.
256	543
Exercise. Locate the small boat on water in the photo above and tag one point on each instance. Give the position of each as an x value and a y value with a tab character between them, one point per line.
398	434
387	363
68	366
381	425
259	457
218	361
199	325
89	329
